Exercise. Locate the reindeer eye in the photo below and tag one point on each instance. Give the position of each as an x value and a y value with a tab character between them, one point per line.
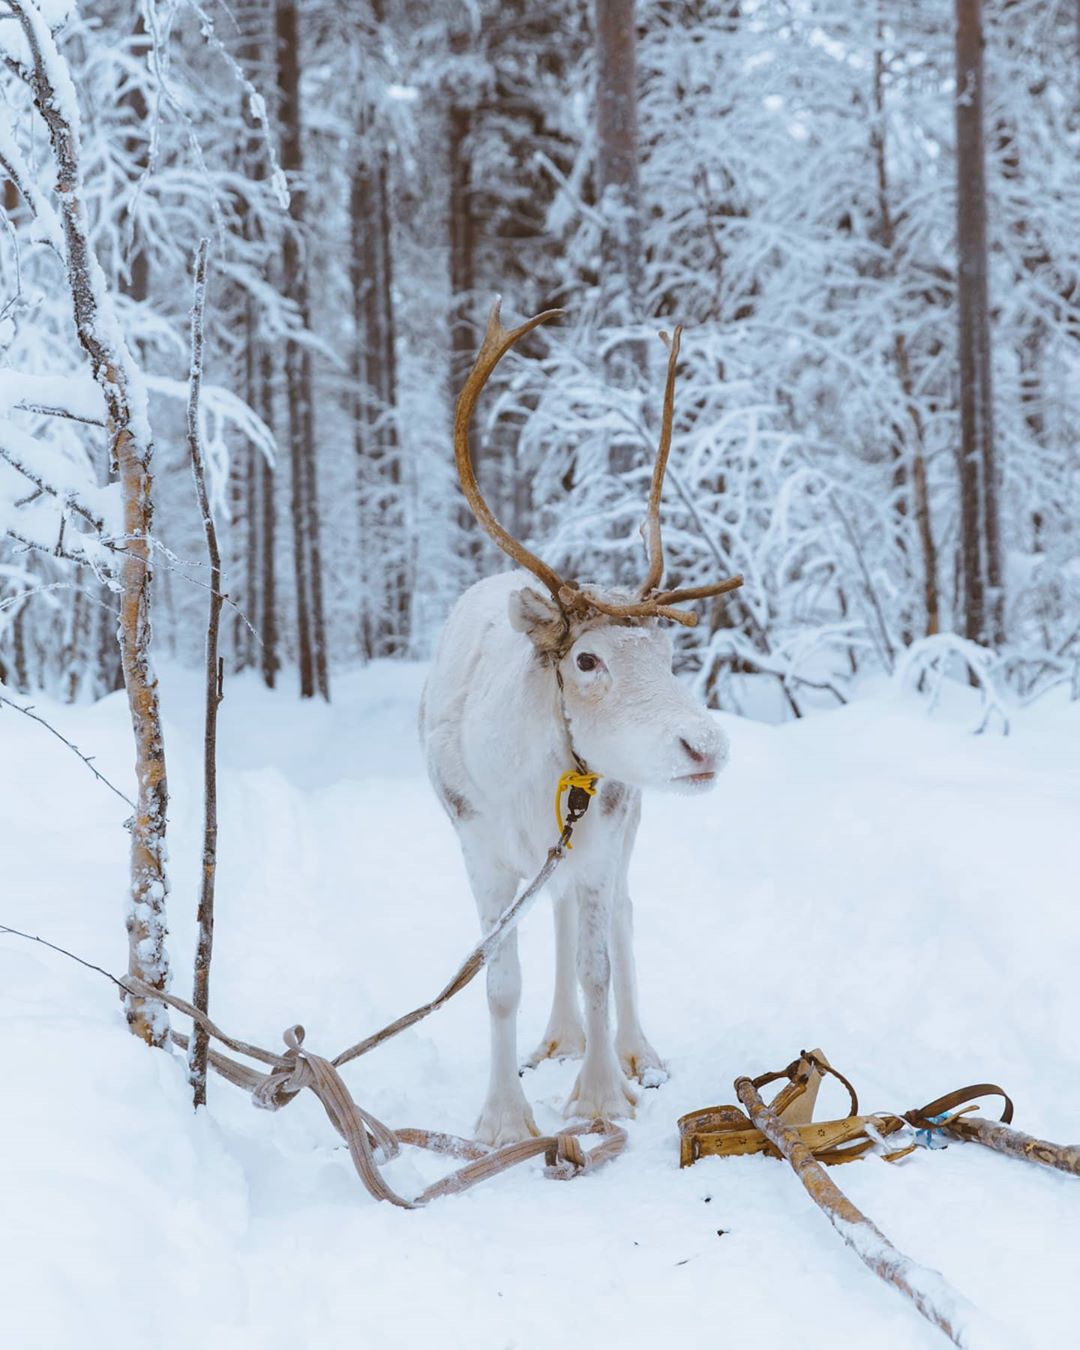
586	661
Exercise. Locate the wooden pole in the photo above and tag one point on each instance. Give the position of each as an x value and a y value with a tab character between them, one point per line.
980	546
1016	1144
927	1289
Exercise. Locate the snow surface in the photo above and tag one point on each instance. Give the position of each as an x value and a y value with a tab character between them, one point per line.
874	881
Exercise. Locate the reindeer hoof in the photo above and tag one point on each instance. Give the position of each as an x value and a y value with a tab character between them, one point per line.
604	1097
641	1062
558	1044
506	1123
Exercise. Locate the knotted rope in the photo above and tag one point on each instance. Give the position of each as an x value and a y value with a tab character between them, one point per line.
371	1143
297	1068
365	1136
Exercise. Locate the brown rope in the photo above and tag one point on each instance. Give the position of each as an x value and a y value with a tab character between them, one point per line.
476	959
364	1133
297	1068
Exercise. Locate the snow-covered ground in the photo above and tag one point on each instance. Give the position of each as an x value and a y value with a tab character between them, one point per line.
874	881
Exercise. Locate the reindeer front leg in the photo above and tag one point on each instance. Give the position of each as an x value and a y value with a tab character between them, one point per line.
601	1089
637	1057
506	1117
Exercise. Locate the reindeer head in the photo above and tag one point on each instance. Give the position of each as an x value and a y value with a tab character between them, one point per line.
612	658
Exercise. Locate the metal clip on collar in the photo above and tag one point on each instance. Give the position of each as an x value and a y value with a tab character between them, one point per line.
580	789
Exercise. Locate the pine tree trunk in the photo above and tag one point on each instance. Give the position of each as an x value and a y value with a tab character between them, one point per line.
259	59
384	611
462	249
910	465
980	548
267	614
311	633
246	533
462	230
1029	248
618	184
135	280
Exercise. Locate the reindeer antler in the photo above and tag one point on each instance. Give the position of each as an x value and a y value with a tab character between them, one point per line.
653	540
497	342
650	603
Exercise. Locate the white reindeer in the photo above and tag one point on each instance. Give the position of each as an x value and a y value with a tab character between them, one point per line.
524	687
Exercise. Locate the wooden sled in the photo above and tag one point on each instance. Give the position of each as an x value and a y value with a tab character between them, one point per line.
727	1131
784	1128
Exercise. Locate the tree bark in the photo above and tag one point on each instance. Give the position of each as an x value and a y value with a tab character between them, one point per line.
258	55
462	232
618	184
118	376
980	547
311	630
268	618
462	248
1032	251
384	609
910	467
134	271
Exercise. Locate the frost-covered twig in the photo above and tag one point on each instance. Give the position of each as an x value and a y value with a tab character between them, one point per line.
204	946
35	546
32	937
66	497
28	711
934	654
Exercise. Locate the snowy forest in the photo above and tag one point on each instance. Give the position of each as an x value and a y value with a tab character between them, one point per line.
790	181
248	255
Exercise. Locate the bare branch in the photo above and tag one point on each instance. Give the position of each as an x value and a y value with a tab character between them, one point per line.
86	759
30	937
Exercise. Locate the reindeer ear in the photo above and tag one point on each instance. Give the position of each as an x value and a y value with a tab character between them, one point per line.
539	617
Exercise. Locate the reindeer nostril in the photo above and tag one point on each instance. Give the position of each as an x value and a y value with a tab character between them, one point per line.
695	755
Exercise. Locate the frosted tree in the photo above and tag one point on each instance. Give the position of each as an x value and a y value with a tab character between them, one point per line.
782	180
980	547
130	446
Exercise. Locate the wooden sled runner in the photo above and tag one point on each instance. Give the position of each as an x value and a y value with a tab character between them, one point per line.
784	1128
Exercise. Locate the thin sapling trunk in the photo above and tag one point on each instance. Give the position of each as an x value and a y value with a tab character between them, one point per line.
204	946
131	451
